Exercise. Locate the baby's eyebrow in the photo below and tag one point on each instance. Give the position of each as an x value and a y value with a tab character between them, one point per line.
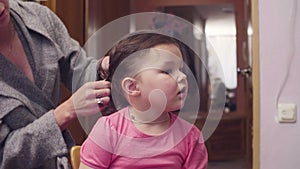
172	63
169	62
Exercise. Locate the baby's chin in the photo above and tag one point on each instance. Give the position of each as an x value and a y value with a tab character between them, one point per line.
175	109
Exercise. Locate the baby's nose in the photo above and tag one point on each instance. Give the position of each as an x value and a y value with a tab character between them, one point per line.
181	76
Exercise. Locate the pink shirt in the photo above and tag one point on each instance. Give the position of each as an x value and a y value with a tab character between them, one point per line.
114	142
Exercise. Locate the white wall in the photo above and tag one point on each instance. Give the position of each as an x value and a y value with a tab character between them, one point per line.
280	143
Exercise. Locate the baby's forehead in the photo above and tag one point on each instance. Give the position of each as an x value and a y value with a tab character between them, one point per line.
158	57
152	58
168	48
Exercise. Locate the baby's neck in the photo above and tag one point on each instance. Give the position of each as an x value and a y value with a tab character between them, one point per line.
148	117
150	125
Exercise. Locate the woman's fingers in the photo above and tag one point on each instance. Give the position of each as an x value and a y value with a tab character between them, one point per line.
102	102
101	84
102	92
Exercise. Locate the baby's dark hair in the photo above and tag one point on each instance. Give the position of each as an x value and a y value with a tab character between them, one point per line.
124	48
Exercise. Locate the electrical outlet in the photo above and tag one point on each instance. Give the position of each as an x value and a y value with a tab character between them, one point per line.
287	113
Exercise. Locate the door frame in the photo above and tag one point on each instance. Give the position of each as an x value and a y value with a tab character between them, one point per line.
256	82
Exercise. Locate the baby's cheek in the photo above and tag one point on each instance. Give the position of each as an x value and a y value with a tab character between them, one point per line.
171	88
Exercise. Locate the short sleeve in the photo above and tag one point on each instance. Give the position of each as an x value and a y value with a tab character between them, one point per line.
94	156
96	151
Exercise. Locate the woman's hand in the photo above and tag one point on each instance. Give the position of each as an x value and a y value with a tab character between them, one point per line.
85	101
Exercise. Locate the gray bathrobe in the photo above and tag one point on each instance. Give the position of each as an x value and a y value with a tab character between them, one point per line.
29	134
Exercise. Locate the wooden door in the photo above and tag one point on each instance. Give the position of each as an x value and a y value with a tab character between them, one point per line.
100	12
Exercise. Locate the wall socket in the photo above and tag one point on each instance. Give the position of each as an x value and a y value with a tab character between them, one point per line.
287	113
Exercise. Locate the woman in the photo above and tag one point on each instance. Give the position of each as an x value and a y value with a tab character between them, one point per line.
36	54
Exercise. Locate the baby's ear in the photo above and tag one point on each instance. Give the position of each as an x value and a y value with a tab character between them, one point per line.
129	87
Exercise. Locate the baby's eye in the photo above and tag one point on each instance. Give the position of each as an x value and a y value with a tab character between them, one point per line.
167	71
